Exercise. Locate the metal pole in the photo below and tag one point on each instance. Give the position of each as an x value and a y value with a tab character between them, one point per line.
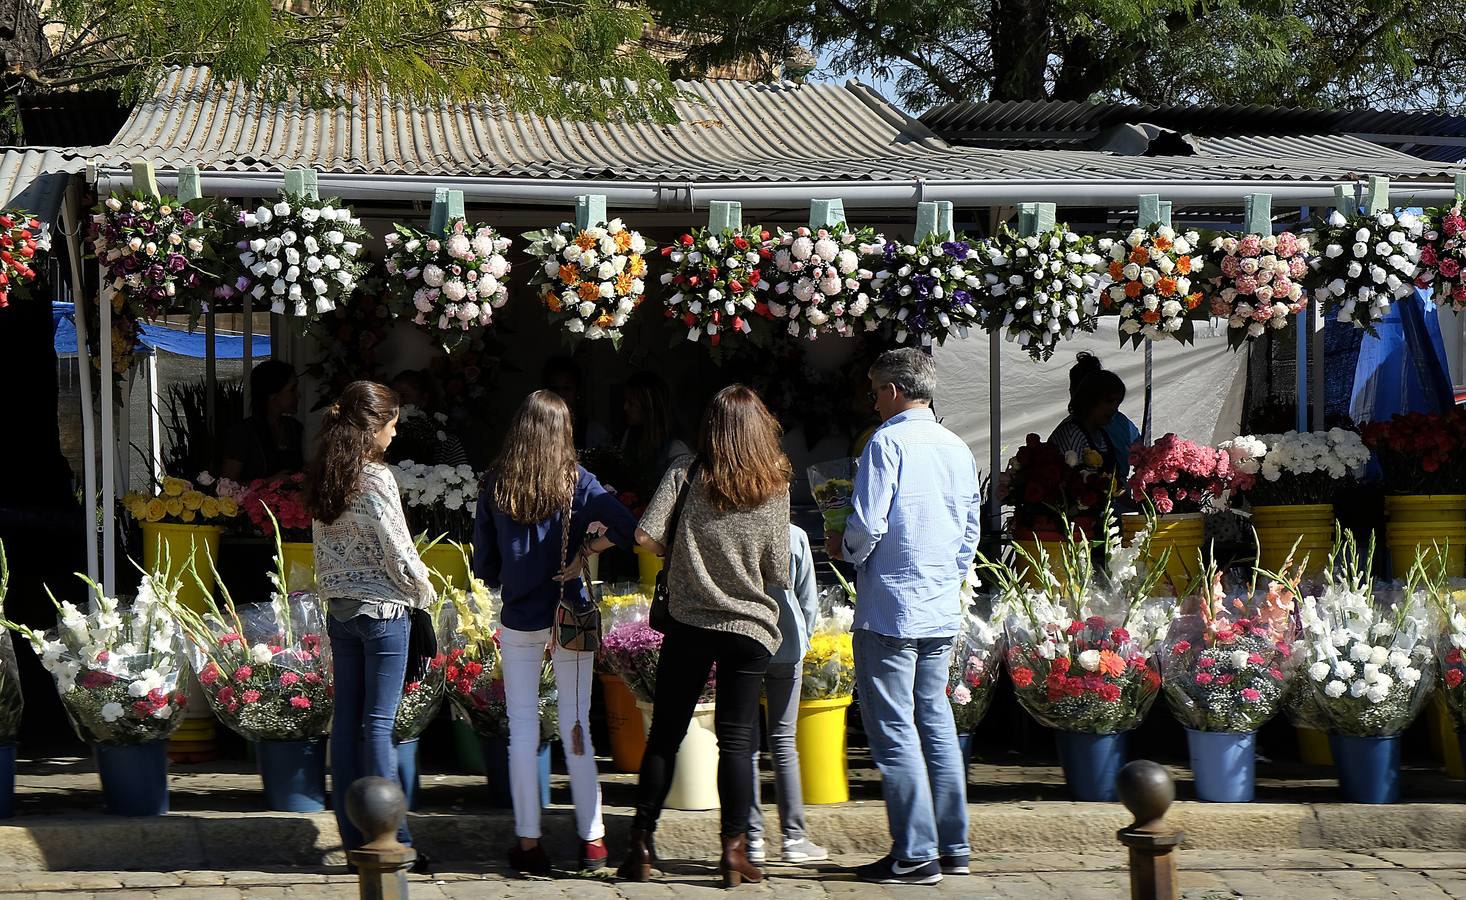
249	347
995	429
211	375
155	421
1317	368
109	440
84	367
1149	390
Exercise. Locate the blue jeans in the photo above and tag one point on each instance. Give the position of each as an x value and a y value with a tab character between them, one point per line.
908	720
369	662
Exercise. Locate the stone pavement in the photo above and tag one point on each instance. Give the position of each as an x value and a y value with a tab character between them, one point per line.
1206	875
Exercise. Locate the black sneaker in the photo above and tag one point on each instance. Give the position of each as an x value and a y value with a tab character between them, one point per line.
529	862
956	864
894	871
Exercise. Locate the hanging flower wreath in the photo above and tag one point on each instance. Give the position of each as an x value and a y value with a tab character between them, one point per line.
929	290
717	281
1150	274
1260	282
154	252
1042	288
302	254
451	284
22	236
590	279
1367	263
1443	256
821	284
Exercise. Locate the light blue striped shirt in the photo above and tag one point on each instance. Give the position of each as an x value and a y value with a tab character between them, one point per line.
914	531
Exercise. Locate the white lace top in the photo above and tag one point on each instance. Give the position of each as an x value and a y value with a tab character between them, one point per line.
366	563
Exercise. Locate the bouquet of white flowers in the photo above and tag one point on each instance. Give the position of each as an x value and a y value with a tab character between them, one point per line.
438	500
974	671
301	253
1367	263
1296	467
930	290
448	284
1042	288
821	282
589	279
1150	274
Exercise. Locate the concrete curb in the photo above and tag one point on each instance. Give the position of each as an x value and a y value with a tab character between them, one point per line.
190	841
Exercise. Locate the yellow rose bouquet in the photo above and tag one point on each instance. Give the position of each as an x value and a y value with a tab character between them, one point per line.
179	501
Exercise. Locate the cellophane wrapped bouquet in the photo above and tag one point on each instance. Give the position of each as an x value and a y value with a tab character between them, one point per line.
621	604
974	670
1370	663
471	669
829	663
1081	649
1224	662
632	650
833	484
117	668
425	682
265	668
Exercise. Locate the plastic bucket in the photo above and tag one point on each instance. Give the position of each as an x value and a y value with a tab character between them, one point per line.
1223	765
299	558
964	744
820	738
496	765
623	725
1313	747
183	542
1311	526
407	772
445	559
1369	767
695	773
1426	508
1054	548
466	743
648	564
7	781
1442	731
1183	533
1092	763
134	778
1405	539
294	774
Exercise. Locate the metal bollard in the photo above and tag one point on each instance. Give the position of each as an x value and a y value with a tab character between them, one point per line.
1147	791
376	806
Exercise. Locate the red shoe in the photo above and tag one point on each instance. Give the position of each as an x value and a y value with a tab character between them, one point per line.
592	856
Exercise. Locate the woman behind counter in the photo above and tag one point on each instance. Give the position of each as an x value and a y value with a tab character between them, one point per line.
271	441
650	445
1095	421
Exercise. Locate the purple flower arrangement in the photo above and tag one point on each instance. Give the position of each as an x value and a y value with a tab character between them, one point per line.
926	290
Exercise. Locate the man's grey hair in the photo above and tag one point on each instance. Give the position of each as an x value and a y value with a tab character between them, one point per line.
911	370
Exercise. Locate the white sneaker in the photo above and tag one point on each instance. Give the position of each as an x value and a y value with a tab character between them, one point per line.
755	852
804	850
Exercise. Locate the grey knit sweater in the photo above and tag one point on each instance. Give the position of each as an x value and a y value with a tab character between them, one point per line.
725	566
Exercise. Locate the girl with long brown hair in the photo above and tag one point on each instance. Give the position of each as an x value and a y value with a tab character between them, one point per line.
729	557
539	517
369	574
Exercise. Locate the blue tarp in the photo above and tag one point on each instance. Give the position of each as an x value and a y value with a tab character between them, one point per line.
154	337
1403	369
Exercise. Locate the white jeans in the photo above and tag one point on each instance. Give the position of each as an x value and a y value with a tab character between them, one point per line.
523	654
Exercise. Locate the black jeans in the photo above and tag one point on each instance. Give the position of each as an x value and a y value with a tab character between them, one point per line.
688	655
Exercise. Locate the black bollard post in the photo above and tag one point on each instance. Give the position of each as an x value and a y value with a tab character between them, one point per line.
376	806
1147	791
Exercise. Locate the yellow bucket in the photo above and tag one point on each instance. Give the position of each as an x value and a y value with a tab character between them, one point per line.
1311	525
648	564
1313	747
1055	550
1426	508
182	542
1405	539
300	565
1183	533
448	563
820	738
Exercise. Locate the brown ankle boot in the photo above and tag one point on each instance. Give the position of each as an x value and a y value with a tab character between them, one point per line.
734	866
638	863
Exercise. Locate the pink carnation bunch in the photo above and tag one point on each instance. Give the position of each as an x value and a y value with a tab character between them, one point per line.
1443	257
1181	476
1260	282
284	496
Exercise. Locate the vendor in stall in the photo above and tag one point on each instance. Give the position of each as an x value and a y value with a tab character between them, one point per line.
271	441
1095	426
424	434
651	443
562	376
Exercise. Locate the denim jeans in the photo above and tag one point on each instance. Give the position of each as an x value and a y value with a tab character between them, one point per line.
687	657
782	684
369	662
913	739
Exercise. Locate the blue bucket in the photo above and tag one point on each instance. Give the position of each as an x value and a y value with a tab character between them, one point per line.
1369	767
496	765
7	781
134	778
1223	765
1092	763
294	774
964	746
407	772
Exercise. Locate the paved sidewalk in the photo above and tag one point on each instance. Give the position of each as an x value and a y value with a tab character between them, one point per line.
1206	875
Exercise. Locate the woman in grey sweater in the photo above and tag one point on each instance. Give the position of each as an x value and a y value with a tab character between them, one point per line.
728	558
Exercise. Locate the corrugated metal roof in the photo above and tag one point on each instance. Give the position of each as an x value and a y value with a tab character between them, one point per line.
35	179
728	131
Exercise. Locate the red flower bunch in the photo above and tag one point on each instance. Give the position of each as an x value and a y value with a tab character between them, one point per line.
21	237
1044	487
717	281
1181	476
1084	675
1421	453
284	495
1443	257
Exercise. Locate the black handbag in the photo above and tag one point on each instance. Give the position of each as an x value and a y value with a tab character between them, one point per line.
577	627
659	617
422	638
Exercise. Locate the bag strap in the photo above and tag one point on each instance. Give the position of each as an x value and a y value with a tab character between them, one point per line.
676	518
565	517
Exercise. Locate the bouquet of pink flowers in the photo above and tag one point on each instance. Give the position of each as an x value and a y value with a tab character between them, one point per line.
278	501
1181	476
974	672
1443	256
1224	668
632	651
449	284
1260	285
425	682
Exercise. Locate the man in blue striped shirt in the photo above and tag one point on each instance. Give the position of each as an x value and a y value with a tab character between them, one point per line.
912	536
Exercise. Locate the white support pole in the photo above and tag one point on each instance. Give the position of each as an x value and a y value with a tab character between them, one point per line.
124	428
109	443
995	429
84	368
155	421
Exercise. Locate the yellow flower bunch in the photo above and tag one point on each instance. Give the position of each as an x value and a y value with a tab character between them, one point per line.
829	666
179	502
478	621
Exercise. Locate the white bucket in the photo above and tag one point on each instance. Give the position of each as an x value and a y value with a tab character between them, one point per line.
695	775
